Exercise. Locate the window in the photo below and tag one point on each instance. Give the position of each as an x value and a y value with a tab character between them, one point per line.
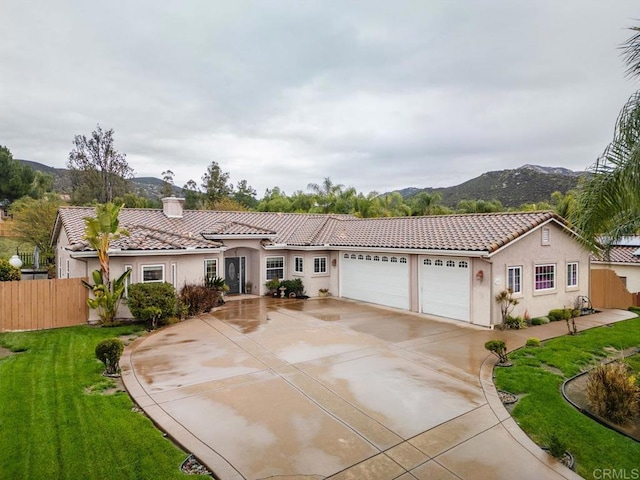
346	255
451	263
376	258
360	257
394	259
319	264
275	268
174	275
211	268
572	274
353	256
368	257
438	263
427	261
385	259
403	260
545	278
298	264
152	273
514	279
463	264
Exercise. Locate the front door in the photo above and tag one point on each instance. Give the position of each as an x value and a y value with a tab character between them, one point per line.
232	273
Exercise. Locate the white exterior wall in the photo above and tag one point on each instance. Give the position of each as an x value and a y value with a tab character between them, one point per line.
631	272
312	281
528	251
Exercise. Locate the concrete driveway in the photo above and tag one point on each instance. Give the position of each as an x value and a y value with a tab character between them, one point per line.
328	388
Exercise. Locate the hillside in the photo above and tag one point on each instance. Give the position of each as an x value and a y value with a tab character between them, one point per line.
527	184
149	187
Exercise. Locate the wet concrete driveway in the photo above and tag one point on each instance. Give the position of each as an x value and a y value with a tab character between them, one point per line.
266	388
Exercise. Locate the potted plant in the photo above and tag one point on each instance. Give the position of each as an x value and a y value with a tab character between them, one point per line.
273	286
323	292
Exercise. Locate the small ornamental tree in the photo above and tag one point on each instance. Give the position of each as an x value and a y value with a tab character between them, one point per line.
108	351
499	349
507	304
8	273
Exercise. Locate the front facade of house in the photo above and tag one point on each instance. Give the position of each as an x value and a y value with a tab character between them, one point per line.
449	266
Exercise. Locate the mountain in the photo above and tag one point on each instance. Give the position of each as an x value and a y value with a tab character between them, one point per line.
527	184
148	187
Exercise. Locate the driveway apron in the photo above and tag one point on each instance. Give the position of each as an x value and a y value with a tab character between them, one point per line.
329	388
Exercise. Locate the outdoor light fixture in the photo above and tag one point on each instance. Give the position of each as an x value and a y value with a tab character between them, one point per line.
15	261
479	275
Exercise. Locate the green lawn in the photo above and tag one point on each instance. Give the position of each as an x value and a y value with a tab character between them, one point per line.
51	428
543	410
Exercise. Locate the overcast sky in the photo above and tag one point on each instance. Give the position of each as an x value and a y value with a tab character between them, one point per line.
377	95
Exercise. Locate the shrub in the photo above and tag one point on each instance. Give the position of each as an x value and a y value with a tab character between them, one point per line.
151	315
108	351
612	393
198	299
635	310
558	314
498	348
160	295
8	273
516	323
532	342
539	320
556	446
293	286
273	285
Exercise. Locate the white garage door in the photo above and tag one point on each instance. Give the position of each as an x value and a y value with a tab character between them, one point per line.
444	287
376	278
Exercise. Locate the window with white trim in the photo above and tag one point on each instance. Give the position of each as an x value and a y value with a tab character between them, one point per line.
514	279
353	256
394	259
274	267
319	264
403	260
376	258
385	259
174	275
545	277
368	257
152	273
298	265
438	263
451	263
427	261
572	274
211	268
360	257
346	255
463	264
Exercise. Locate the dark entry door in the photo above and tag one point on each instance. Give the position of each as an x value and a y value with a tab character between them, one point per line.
232	274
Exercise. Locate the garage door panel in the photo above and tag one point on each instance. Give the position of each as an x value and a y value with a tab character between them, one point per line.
444	287
383	283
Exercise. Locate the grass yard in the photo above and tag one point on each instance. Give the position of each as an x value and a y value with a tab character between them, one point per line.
538	374
50	427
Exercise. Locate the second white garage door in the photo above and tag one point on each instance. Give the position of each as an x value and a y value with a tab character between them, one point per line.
376	278
444	287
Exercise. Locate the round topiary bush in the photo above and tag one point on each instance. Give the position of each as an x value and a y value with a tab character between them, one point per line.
108	351
8	273
532	342
159	295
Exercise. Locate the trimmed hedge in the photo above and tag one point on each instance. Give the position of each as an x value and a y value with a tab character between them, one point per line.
159	295
108	351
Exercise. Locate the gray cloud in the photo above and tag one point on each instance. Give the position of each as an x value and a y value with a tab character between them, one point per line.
377	95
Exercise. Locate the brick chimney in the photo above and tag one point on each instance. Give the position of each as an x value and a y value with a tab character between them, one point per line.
172	207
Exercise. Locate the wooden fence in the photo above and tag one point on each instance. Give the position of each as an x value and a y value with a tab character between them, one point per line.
42	304
608	291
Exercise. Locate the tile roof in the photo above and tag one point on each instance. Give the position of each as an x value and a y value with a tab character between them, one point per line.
151	230
621	254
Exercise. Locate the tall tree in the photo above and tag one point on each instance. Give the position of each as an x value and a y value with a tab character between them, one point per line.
16	180
34	219
325	194
245	195
608	204
192	196
167	183
98	171
216	185
425	203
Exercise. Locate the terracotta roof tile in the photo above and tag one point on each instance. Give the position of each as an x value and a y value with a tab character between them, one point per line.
621	254
152	230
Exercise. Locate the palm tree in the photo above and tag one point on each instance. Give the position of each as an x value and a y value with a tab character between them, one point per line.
425	203
326	194
608	204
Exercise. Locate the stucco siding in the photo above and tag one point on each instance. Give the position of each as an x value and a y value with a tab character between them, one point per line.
529	251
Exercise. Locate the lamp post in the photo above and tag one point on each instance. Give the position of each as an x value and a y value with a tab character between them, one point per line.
15	261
